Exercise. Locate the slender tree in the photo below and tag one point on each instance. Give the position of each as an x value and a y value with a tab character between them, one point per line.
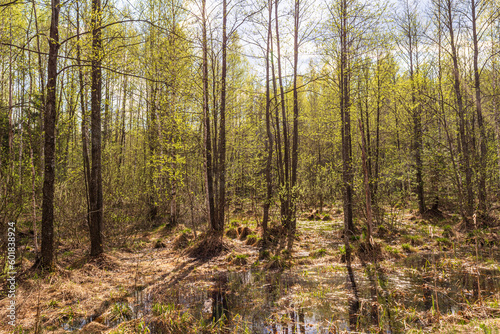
47	253
95	185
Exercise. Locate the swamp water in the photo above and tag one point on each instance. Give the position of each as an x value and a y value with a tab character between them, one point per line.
325	299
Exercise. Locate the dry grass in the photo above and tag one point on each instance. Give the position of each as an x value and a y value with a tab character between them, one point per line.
82	288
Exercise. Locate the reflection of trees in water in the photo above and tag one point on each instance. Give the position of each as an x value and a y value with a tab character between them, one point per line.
353	299
373	295
382	280
219	298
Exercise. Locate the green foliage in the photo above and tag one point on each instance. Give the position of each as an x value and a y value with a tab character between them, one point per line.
392	250
121	311
159	309
414	240
407	248
443	241
319	253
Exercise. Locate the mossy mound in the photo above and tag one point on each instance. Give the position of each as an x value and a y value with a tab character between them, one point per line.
232	233
244	232
181	241
208	246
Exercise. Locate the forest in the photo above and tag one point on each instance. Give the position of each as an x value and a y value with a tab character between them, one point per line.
249	166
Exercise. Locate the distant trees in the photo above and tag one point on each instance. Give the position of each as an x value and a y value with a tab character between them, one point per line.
409	41
349	24
185	114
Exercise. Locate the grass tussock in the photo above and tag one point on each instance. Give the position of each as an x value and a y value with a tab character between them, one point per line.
208	246
181	241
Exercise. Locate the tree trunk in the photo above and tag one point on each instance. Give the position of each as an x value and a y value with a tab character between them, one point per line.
208	147
222	128
47	253
295	140
122	126
95	189
269	141
347	175
462	121
285	197
367	187
84	125
482	133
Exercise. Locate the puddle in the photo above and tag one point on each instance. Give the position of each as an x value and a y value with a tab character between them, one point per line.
318	300
75	324
139	306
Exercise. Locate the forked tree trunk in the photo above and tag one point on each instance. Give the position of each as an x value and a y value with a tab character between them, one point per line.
209	185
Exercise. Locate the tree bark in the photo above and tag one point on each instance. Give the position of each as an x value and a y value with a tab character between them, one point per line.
367	186
47	252
285	198
295	131
207	138
222	127
479	110
462	120
344	81
269	141
95	189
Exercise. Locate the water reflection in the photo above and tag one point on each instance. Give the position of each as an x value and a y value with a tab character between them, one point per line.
318	300
219	298
353	299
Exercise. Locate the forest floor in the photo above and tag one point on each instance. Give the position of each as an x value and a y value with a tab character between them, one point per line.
429	279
